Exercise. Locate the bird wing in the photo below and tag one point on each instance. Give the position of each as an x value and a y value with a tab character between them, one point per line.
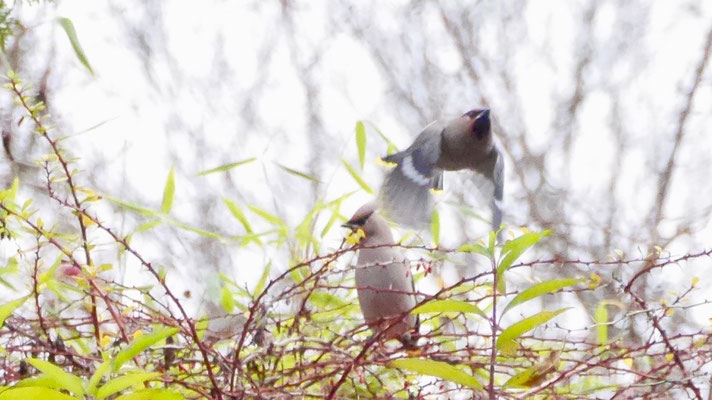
405	196
488	179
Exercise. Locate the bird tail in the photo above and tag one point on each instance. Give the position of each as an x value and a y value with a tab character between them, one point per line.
405	201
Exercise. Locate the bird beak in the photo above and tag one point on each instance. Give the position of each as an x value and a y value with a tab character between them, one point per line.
484	114
350	225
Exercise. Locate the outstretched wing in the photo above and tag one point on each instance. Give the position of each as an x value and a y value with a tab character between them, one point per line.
405	193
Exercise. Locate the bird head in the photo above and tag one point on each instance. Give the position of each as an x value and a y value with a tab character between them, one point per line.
478	122
373	225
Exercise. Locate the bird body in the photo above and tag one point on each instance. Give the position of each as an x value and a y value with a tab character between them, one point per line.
465	143
384	284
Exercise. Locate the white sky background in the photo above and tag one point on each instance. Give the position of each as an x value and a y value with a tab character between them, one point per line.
151	122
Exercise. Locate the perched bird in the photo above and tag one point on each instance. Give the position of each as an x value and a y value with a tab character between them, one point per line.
465	143
385	286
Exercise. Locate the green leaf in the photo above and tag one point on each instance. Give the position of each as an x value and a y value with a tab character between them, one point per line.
263	279
437	369
448	305
147	226
361	142
34	393
236	212
391	147
540	289
101	370
475	248
522	378
601	318
140	344
357	177
271	218
227	300
512	250
7	308
65	380
435	227
168	192
118	384
335	213
68	27
151	394
506	341
298	173
226	167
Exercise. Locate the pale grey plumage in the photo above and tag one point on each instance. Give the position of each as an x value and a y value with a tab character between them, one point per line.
465	143
384	283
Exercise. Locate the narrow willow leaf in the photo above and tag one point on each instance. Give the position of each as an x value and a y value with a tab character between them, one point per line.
475	248
263	279
140	344
601	318
147	226
448	305
435	227
271	218
335	213
298	173
168	192
68	27
34	393
66	380
7	308
540	289
226	167
118	384
391	147
521	379
151	394
437	369
357	177
361	142
132	206
101	370
236	212
506	341
512	250
325	301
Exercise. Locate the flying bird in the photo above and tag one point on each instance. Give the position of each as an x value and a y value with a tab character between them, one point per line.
465	143
385	286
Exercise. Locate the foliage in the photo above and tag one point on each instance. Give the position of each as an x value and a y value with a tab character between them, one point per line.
74	333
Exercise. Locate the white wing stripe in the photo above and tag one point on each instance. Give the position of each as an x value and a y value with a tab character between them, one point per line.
410	172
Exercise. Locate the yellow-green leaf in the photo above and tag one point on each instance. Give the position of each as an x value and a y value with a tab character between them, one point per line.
540	289
34	393
475	248
7	308
298	173
140	344
435	227
512	250
361	142
65	380
226	167
601	318
506	341
101	370
168	192
68	27
437	369
118	384
271	218
357	177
